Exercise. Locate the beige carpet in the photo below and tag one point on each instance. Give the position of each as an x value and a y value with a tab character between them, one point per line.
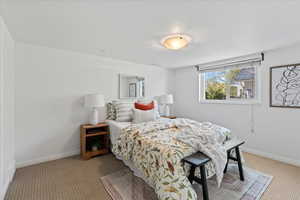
64	179
72	178
123	185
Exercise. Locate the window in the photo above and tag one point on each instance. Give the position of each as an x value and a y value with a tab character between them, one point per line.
230	84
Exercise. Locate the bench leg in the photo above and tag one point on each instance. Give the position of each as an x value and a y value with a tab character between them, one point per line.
238	156
226	166
204	182
192	174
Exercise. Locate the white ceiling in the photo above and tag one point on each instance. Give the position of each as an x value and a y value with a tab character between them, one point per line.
131	29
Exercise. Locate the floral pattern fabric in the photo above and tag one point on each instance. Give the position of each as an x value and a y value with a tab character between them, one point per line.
111	112
156	148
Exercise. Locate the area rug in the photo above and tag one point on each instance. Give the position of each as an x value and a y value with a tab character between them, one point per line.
123	185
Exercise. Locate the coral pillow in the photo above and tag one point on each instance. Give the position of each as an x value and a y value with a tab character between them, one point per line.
140	106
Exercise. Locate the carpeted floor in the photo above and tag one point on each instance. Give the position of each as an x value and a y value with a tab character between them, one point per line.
75	179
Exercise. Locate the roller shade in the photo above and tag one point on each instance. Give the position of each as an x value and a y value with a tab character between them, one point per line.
238	61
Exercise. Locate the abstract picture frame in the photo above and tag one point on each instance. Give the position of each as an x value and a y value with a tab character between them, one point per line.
285	86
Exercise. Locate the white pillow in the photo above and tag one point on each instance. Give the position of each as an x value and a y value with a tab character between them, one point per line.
124	110
140	116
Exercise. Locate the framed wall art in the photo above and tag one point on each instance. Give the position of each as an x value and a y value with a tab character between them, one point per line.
285	86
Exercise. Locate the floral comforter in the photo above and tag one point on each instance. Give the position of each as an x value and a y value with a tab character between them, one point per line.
156	148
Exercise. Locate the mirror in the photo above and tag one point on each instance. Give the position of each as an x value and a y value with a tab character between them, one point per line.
131	86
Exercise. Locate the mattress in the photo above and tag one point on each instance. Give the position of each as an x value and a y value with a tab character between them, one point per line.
115	128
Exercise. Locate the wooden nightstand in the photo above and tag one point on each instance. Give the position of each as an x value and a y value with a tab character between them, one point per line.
169	117
94	135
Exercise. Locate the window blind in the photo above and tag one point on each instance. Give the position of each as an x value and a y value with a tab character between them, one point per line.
228	63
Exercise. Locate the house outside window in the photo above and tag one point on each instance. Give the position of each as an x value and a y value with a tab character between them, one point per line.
237	84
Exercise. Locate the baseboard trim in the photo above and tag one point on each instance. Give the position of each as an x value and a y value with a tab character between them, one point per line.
12	170
10	176
273	156
46	158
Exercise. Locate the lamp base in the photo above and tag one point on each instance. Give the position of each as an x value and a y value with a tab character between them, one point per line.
167	110
94	117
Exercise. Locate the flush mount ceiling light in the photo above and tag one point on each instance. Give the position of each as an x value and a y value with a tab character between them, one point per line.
175	41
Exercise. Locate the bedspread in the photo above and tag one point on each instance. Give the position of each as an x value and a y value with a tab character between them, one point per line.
156	148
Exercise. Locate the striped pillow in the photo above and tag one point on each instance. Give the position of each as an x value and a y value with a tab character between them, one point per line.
124	110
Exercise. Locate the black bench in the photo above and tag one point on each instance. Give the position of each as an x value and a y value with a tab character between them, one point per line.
199	160
235	145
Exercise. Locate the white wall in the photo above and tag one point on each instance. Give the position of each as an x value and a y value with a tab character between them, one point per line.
7	162
50	84
276	130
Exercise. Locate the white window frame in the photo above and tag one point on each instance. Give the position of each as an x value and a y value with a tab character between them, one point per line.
256	100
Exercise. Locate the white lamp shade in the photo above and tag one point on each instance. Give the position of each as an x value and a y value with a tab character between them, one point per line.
166	99
94	100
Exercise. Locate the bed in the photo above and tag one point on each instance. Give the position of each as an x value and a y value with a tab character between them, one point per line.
146	154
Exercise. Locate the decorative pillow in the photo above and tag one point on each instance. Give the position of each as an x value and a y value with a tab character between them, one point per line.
111	112
124	110
147	101
140	116
141	106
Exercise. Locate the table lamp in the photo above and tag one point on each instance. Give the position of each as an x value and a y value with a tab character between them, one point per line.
94	101
166	100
